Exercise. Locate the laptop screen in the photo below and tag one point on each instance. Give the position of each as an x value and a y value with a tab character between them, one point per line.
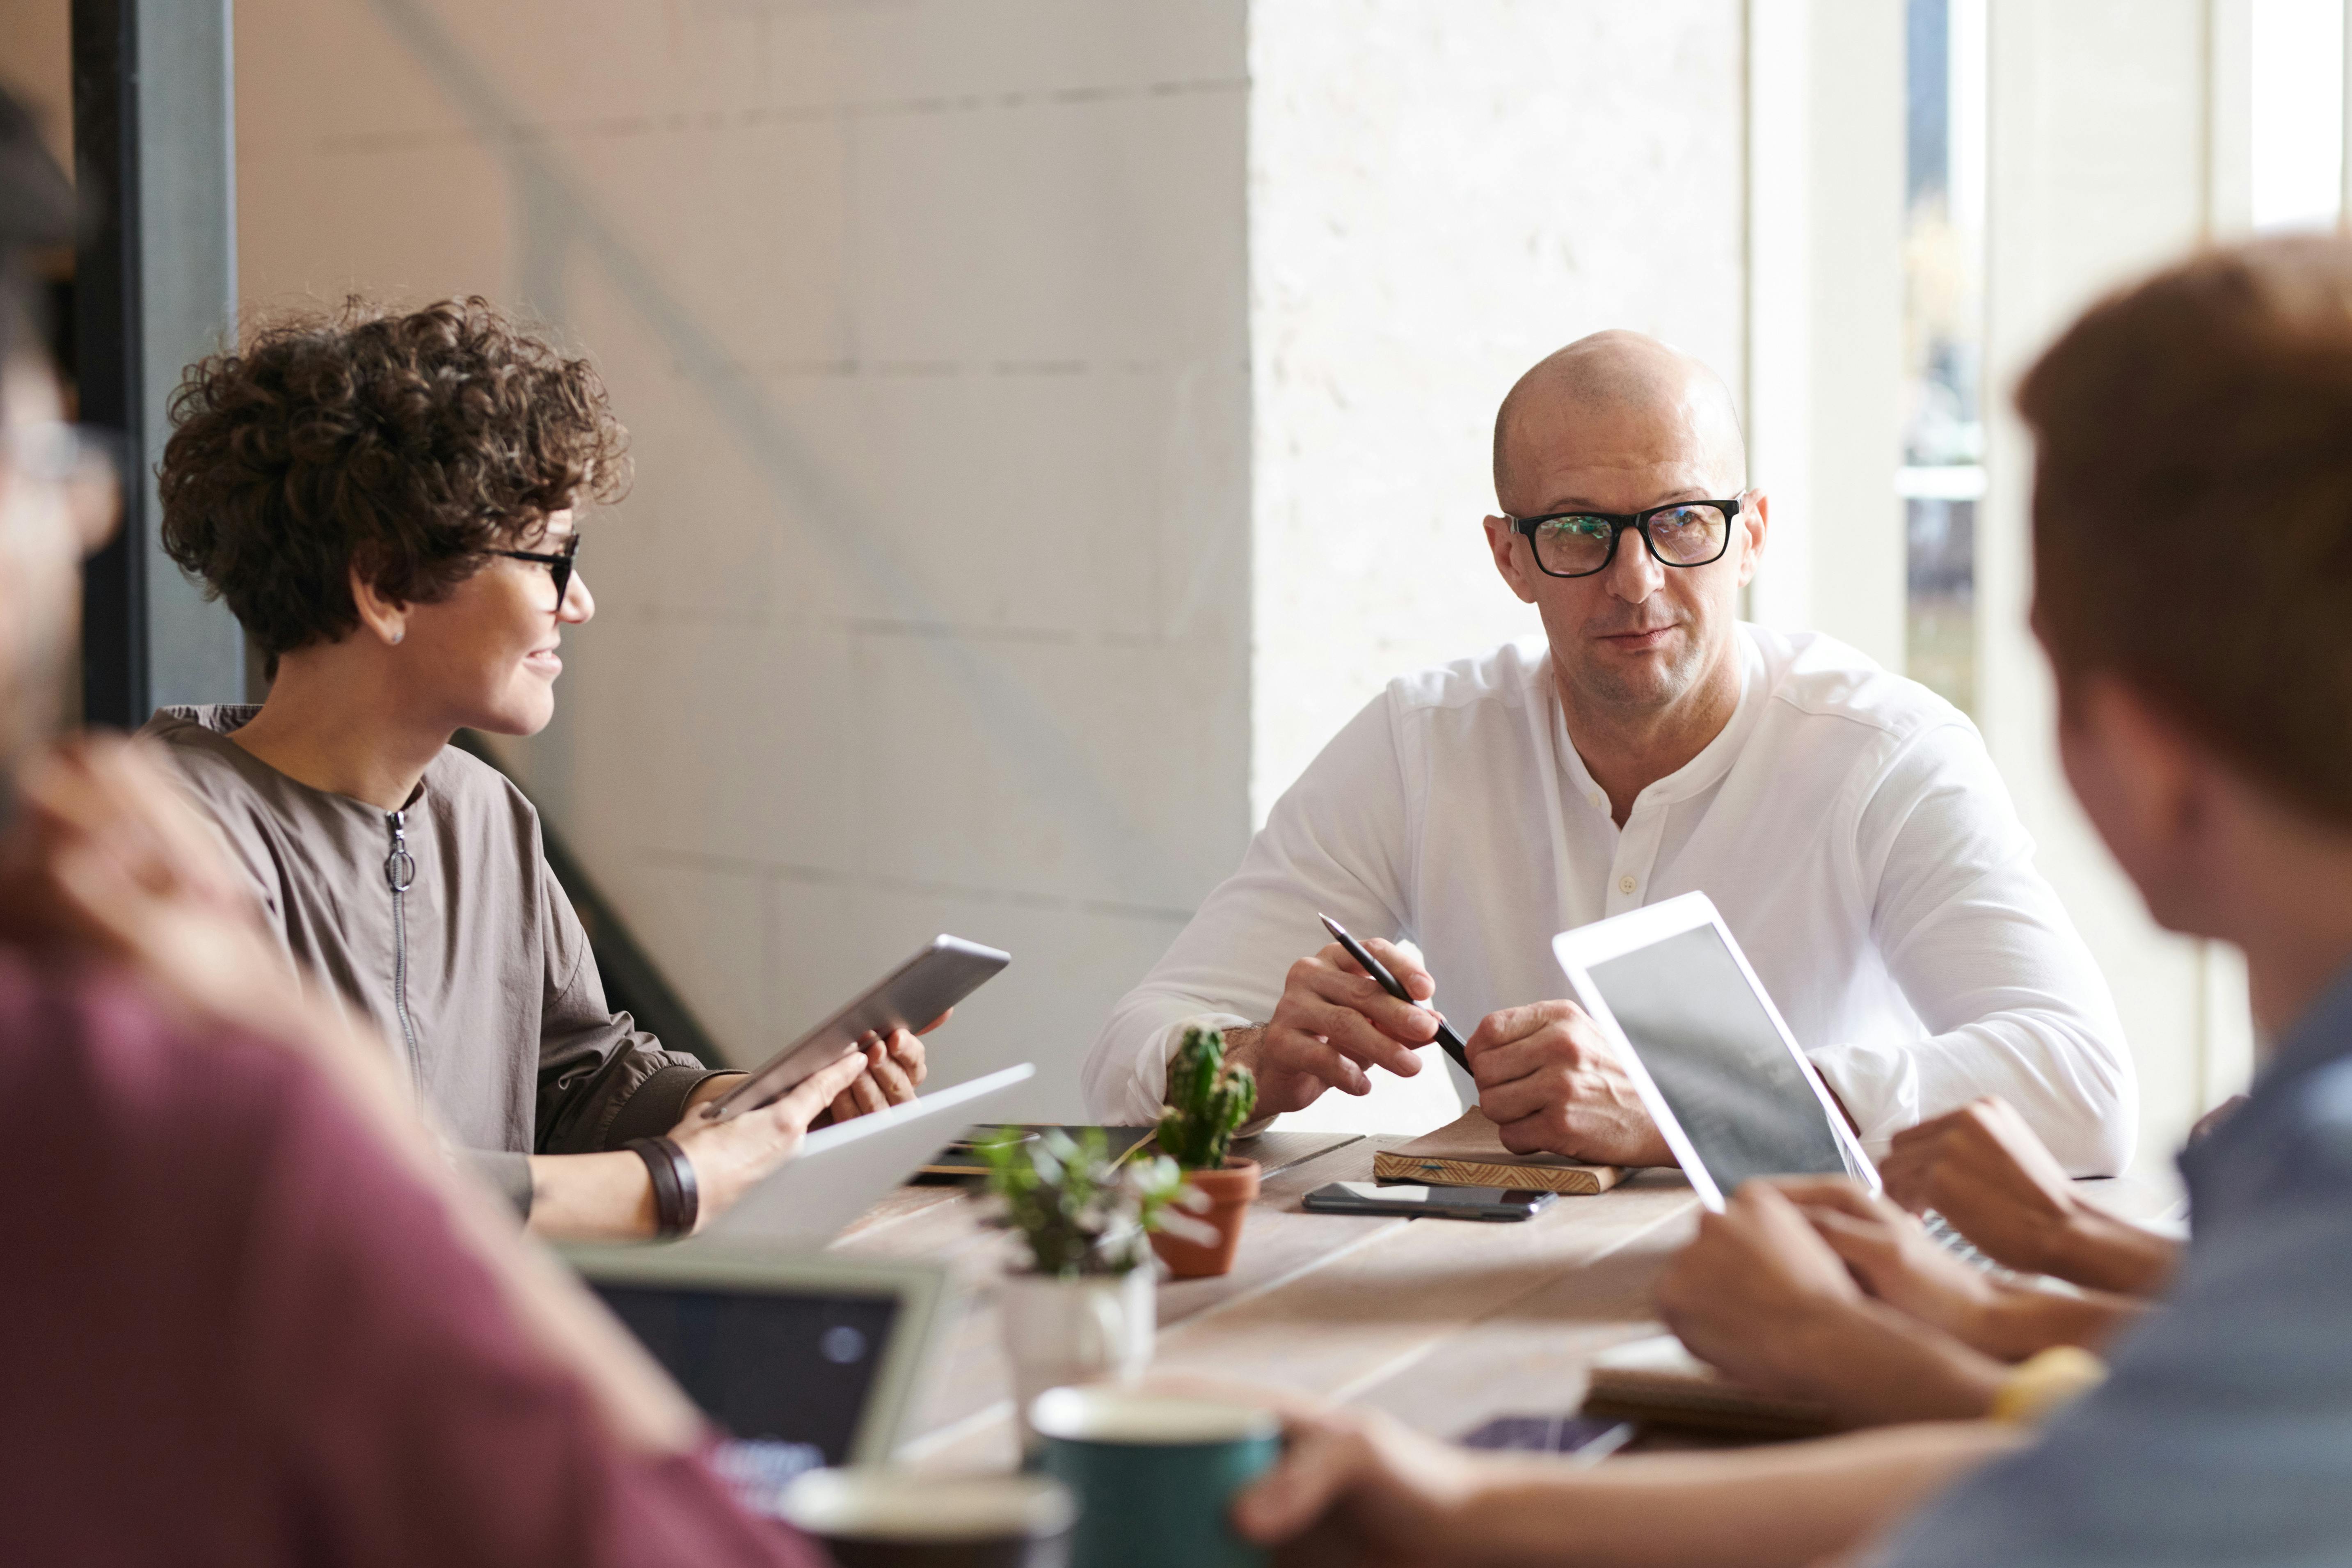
787	1375
1724	1069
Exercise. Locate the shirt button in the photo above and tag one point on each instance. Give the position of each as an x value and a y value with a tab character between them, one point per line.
1596	799
1624	884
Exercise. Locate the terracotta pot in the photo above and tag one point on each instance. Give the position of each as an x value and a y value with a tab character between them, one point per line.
1230	1192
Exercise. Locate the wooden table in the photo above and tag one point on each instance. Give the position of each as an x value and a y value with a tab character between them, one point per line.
1445	1324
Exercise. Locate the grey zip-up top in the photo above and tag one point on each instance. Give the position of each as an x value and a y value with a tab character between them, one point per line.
442	924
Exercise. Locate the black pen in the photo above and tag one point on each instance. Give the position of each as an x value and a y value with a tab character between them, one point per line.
1389	984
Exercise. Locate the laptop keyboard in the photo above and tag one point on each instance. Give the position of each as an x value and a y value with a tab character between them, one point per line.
1940	1230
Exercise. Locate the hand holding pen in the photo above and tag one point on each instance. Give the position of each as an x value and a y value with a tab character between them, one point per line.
1335	1022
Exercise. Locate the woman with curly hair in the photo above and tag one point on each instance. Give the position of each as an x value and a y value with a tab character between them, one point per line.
386	502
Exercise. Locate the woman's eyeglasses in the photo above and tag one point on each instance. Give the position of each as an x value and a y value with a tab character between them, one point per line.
558	566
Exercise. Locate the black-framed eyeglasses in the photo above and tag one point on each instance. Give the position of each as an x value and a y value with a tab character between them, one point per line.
558	566
1578	543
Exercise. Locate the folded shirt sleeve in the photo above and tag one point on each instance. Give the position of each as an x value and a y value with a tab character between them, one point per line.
2013	1000
602	1080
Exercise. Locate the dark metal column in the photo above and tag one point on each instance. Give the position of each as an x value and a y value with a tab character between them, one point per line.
154	288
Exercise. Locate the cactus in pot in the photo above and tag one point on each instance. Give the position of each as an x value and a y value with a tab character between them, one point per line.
1209	1099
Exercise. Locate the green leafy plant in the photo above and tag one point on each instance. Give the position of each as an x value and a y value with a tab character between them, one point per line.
1080	1211
1207	1101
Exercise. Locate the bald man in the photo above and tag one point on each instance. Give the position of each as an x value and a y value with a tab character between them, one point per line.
1845	821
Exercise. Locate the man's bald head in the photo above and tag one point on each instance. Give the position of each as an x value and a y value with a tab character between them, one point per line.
1609	391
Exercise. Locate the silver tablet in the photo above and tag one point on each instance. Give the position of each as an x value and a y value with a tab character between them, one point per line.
909	997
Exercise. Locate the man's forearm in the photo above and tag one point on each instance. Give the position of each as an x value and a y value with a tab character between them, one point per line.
2021	1321
2100	1252
1794	1503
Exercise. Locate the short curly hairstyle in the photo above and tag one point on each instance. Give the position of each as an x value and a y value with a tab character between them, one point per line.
407	445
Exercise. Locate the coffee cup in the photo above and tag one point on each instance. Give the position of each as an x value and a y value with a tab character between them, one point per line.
876	1517
1155	1474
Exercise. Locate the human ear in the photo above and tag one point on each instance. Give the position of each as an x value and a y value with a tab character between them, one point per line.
1756	519
1504	540
384	618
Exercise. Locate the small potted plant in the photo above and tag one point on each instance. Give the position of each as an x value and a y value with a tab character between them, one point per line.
1209	1098
1082	1311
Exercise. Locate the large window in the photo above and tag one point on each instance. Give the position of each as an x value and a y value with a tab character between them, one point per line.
1943	478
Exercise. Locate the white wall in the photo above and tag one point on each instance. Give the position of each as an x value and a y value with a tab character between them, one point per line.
1824	202
2111	134
1440	195
929	609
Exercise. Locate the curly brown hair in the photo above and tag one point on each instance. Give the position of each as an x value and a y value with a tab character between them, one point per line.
407	445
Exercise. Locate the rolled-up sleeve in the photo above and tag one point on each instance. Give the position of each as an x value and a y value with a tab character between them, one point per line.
602	1080
1985	953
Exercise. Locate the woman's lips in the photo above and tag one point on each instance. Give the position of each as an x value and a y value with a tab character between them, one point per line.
544	661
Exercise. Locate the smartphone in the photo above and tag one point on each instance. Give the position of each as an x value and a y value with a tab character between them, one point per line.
910	996
1427	1203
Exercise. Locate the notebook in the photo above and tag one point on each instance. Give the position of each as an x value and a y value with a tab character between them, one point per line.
1468	1153
1655	1379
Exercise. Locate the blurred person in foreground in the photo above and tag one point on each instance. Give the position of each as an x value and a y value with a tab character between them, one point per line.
255	1316
388	504
1846	821
2193	553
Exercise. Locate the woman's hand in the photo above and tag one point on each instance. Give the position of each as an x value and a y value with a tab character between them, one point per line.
894	1070
731	1157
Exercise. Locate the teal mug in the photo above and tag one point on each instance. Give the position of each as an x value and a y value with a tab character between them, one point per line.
1155	1474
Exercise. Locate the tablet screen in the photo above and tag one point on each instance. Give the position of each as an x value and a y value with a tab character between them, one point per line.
790	1373
1724	1069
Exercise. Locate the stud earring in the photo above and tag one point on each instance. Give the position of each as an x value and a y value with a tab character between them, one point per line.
398	635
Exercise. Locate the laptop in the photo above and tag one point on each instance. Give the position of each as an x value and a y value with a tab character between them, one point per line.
803	1360
840	1171
1716	1065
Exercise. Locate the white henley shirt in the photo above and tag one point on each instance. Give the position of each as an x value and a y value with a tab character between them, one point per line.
1847	823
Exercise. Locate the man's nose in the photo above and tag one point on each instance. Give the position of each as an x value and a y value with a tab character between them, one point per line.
1635	574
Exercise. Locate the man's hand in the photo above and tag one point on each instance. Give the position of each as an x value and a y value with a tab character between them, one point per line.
1551	1084
1354	1487
1894	1260
1982	1168
1762	1296
1333	1023
731	1157
1759	1294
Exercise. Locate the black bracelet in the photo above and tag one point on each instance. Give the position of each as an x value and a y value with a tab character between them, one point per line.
677	1200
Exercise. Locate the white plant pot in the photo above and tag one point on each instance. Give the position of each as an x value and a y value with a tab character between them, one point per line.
1093	1329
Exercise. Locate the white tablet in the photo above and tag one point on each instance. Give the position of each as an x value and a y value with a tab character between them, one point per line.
1717	1067
841	1170
911	996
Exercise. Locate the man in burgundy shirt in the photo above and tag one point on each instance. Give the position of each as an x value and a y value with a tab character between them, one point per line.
254	1317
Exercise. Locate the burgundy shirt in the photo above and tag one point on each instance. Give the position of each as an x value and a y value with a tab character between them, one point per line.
237	1332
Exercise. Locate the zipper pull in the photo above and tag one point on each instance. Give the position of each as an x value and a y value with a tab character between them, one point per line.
399	870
